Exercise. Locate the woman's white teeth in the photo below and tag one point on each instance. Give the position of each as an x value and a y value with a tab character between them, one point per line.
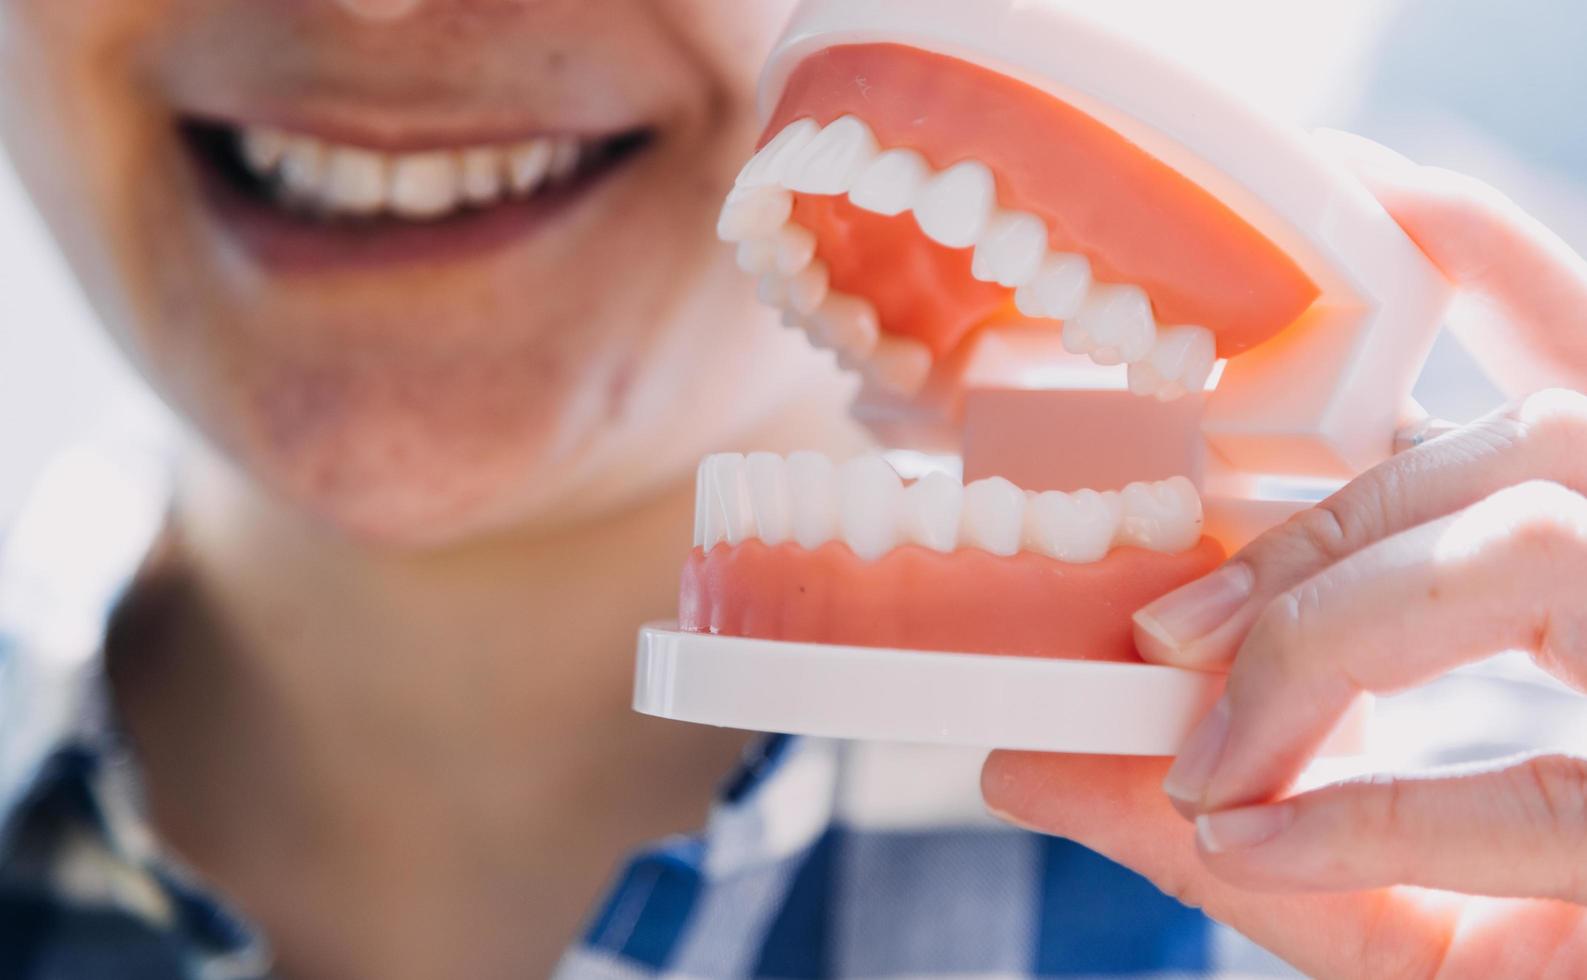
955	205
1114	326
1113	323
424	185
833	160
1180	362
564	159
528	165
994	516
808	501
302	167
348	180
480	179
355	181
263	148
892	183
1011	252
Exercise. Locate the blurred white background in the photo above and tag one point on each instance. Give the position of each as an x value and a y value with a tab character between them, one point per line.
1494	89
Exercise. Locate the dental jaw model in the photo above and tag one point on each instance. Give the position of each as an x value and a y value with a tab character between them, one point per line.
1149	322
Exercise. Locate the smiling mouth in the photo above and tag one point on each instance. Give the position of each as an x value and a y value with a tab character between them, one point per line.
297	199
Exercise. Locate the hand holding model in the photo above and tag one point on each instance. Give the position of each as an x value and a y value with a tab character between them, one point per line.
1471	543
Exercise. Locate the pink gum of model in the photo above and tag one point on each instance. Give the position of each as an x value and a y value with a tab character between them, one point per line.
1312	407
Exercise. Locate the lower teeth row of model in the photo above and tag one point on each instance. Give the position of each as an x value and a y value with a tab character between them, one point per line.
808	500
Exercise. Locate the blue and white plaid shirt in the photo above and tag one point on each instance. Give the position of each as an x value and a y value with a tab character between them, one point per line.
821	859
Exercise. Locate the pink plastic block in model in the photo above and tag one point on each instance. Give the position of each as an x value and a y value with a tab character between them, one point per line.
1149	322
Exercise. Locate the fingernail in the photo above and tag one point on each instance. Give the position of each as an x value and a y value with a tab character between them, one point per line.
1195	610
1234	830
1188	777
379	9
1011	819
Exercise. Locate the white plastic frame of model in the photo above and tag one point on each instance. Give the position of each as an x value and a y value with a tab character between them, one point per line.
1130	303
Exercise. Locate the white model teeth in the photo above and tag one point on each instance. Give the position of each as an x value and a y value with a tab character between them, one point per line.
932	507
757	256
806	289
753	212
793	248
830	163
725	511
869	498
354	181
956	205
994	516
1180	362
1163	516
771	290
899	365
1114	326
808	501
892	183
767	479
1058	290
1011	252
1112	323
846	324
1075	527
767	167
812	499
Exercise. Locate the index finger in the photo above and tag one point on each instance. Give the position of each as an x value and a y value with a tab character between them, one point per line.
1201	625
1505	574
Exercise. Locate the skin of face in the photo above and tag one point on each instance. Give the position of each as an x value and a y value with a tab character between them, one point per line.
576	365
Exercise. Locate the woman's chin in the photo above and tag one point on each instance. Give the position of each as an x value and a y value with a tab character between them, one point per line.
389	489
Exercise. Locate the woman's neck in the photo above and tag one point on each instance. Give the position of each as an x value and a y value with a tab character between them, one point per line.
442	739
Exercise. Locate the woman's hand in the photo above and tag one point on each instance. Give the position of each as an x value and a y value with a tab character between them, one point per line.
1472	543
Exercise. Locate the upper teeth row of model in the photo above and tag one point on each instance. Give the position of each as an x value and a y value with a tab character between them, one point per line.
353	180
808	500
1113	323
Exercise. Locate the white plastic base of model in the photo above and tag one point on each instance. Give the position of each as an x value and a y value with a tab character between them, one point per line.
968	699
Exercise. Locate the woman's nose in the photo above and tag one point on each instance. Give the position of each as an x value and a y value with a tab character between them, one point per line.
379	9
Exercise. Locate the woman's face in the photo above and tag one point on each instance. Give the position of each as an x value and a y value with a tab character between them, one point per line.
335	312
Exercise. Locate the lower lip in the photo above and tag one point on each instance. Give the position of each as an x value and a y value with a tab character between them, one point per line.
290	243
